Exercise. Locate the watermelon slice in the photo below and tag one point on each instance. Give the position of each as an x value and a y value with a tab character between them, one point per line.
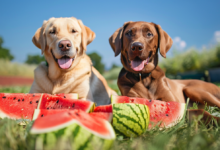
77	129
22	106
162	114
56	102
68	96
103	108
103	115
18	105
44	112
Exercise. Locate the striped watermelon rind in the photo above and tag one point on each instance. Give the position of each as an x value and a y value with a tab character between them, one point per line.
130	120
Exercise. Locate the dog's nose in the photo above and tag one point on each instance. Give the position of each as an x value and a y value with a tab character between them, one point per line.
137	46
64	45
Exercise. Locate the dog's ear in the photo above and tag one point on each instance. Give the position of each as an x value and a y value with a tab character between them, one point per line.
39	39
165	41
87	35
116	39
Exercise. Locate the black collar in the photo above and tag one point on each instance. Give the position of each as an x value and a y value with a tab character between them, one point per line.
140	76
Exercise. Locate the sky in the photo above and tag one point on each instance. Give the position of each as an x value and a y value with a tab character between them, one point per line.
189	23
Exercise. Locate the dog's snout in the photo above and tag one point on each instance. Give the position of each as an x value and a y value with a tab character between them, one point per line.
137	46
64	45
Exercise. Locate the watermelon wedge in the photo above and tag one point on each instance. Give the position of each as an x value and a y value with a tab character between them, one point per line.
22	106
38	113
68	96
18	105
103	108
162	114
103	115
77	129
45	112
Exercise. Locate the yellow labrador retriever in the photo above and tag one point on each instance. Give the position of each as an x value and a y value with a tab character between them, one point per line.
68	69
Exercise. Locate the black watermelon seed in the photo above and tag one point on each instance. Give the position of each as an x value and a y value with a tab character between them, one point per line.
47	107
30	102
73	105
77	114
167	115
64	96
14	98
33	95
4	97
42	115
19	100
150	100
22	99
57	101
36	101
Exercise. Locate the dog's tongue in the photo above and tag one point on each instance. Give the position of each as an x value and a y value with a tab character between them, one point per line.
137	65
65	62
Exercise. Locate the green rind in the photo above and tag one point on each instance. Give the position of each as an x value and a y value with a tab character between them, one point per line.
130	119
113	98
72	137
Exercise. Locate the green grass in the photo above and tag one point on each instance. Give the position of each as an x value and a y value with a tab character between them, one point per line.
195	136
15	89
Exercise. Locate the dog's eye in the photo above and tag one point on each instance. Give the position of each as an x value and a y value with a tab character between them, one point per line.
149	34
52	31
129	33
73	31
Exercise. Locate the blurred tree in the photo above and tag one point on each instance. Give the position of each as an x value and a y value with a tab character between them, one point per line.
97	61
114	66
34	59
4	52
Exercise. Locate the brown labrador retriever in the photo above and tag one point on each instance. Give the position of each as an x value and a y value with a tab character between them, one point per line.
63	42
139	43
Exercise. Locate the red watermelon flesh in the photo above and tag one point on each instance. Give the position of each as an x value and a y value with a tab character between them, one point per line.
68	96
56	102
38	113
164	114
18	105
103	108
96	125
103	115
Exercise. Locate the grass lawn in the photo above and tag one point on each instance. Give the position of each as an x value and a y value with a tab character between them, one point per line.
185	135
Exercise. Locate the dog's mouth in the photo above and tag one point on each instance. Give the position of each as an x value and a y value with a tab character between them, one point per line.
138	64
64	62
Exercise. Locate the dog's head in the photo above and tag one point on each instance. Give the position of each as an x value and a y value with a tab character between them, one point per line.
138	43
63	41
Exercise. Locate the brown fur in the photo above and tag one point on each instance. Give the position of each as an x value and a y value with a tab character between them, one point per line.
151	82
81	77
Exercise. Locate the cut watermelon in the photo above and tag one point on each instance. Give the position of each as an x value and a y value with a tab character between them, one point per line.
38	113
22	106
68	96
164	114
77	129
18	105
103	115
103	108
56	102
